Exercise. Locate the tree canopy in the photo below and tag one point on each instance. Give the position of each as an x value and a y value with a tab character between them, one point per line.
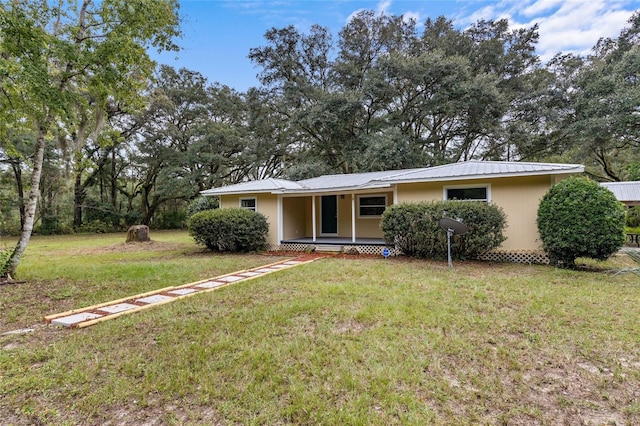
62	66
94	135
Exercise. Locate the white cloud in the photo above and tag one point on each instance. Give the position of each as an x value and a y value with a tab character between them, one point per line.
577	26
568	26
383	7
406	16
541	6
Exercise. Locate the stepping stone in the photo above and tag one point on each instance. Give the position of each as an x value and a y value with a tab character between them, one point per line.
182	291
230	278
279	266
75	319
209	284
250	274
265	270
154	299
19	331
114	309
292	262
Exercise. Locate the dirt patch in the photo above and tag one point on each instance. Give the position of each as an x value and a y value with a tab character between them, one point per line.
130	247
350	326
154	412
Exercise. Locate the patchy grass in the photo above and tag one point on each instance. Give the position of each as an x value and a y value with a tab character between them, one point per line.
337	341
68	272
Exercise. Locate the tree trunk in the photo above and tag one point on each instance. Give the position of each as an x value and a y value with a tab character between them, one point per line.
79	195
32	203
17	171
138	233
114	179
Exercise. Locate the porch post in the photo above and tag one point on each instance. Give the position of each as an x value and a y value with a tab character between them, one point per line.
353	217
395	194
280	220
313	217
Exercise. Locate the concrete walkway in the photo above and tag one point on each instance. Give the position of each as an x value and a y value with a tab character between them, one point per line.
80	318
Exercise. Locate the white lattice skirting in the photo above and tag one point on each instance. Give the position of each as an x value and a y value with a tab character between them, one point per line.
347	248
522	256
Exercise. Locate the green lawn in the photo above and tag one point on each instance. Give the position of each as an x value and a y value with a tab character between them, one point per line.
338	341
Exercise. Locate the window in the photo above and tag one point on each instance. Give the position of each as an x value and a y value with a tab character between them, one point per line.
248	203
468	193
371	206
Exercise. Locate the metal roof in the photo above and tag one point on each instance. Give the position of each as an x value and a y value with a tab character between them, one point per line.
624	191
484	170
371	180
351	180
263	185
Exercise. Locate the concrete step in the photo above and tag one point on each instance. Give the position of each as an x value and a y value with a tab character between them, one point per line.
329	248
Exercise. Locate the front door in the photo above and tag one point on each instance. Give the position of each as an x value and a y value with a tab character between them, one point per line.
329	215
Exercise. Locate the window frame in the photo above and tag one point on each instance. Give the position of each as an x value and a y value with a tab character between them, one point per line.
486	186
255	203
386	201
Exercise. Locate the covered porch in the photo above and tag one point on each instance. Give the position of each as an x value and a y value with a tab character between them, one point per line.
340	219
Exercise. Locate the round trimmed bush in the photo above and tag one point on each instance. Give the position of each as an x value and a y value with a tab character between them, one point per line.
229	230
579	218
414	228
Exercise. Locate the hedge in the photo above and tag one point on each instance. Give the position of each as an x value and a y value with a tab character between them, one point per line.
414	228
229	230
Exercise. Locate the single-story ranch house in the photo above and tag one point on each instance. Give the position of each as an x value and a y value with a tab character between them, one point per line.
344	210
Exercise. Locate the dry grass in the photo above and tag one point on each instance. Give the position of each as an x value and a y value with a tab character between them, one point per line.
338	341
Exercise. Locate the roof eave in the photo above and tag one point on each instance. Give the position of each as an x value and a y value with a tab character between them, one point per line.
366	186
579	169
209	193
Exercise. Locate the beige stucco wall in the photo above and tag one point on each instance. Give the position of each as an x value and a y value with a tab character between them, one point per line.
267	204
518	196
296	217
370	227
365	227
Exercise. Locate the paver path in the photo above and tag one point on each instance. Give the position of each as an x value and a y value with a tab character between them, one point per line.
84	317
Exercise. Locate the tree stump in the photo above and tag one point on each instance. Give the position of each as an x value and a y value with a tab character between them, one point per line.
138	234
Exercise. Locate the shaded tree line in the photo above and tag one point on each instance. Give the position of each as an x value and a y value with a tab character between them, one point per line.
108	148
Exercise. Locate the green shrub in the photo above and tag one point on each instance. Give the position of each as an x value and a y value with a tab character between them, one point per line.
633	217
171	219
96	227
50	225
5	255
97	211
414	228
579	218
201	204
131	218
233	229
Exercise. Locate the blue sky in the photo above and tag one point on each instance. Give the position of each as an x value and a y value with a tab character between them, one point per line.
219	33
